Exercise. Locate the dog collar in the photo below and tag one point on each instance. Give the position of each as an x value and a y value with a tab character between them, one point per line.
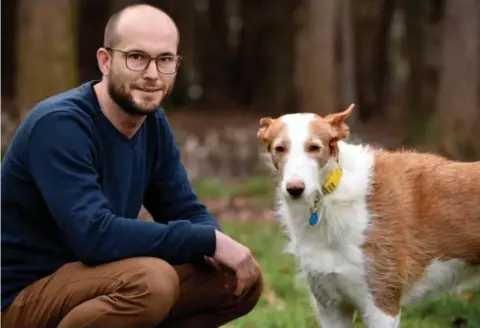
330	185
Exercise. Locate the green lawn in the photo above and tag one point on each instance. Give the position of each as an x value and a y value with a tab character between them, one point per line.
285	304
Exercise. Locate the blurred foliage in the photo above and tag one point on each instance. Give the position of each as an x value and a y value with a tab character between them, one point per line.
404	63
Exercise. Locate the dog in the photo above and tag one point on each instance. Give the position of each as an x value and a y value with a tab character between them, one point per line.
373	230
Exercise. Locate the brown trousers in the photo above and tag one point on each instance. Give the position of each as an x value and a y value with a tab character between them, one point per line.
136	292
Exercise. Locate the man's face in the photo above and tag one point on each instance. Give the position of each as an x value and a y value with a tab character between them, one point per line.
134	82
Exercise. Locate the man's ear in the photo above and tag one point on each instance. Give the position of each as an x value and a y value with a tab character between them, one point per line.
264	123
103	60
337	122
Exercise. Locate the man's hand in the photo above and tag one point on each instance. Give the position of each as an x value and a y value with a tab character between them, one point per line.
238	258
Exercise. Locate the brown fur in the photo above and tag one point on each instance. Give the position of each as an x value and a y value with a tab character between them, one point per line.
269	130
425	208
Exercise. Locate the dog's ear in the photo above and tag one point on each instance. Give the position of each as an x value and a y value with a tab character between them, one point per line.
337	121
264	123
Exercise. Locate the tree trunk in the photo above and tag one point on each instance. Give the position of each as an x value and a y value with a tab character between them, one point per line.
264	63
249	63
9	64
46	51
347	65
90	36
372	24
316	69
189	78
455	127
213	53
416	112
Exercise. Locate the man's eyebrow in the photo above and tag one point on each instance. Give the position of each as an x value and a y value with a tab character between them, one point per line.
134	50
165	53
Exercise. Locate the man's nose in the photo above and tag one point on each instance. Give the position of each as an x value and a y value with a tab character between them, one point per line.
295	187
151	71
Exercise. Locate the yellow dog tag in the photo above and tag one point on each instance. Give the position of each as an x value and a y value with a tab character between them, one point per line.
333	180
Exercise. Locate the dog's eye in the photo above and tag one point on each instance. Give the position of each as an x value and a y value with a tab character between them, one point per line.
279	149
314	148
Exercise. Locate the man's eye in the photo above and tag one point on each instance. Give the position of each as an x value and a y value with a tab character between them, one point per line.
166	59
136	56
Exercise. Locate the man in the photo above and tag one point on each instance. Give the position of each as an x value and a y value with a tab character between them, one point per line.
81	164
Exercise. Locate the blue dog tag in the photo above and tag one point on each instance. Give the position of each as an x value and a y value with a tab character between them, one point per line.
313	218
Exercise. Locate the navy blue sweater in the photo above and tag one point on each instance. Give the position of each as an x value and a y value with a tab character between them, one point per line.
72	187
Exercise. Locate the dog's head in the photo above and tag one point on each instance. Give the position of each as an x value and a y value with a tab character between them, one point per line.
301	145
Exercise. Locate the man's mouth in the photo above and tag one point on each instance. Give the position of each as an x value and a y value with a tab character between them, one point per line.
151	90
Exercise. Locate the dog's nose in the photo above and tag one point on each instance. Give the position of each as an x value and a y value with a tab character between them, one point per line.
296	188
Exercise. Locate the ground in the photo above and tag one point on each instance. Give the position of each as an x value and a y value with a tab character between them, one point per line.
244	211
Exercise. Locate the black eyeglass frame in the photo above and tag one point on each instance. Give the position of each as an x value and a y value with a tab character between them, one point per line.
150	58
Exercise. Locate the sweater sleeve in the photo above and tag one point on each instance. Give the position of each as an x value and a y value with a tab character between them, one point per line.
170	196
61	162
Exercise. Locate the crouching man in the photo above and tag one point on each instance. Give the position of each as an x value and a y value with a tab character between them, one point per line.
74	177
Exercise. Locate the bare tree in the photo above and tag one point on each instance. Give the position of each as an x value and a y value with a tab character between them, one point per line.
212	52
416	111
315	61
46	50
455	126
372	25
348	85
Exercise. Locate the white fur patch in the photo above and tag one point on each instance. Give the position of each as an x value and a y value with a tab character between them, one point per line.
299	165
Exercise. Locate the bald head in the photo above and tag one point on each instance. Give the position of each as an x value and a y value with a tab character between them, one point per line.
140	19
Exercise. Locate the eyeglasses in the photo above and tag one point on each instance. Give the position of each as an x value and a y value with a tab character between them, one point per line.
139	61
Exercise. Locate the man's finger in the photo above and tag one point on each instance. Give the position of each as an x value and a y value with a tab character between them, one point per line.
255	273
251	276
240	287
242	280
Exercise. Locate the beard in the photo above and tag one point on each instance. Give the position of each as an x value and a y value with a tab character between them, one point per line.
124	99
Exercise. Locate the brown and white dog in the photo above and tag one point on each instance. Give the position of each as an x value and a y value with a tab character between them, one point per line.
388	227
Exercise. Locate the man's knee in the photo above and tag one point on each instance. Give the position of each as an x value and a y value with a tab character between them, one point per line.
250	297
152	286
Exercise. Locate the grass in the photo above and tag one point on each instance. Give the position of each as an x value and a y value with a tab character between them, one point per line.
285	302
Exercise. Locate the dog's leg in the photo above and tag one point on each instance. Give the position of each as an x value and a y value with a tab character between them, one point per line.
334	316
332	312
375	317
